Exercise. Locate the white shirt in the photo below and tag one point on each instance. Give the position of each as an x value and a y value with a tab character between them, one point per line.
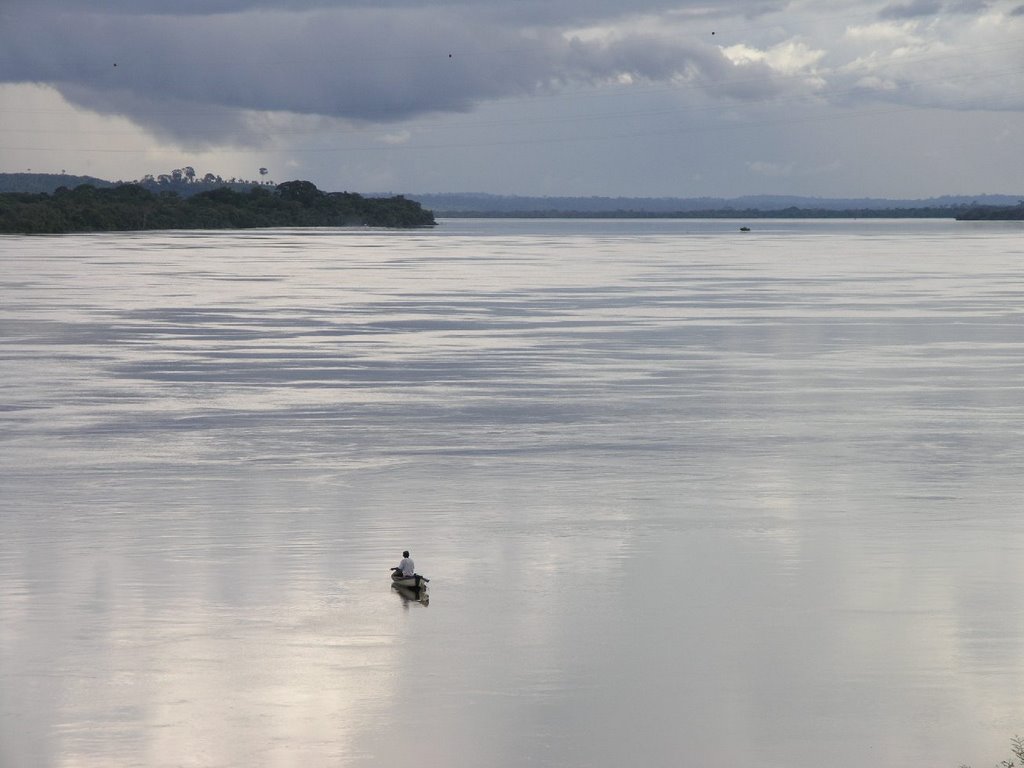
407	566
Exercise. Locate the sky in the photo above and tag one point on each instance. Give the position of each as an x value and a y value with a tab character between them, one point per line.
912	98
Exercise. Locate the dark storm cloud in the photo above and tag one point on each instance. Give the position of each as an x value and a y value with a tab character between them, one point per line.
246	72
528	11
191	75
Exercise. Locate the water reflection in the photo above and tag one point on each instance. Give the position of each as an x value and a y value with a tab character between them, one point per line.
692	496
412	594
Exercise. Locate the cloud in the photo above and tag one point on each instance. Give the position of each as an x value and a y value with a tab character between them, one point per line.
348	82
527	12
209	69
903	33
766	168
395	137
947	62
791	58
970	7
912	10
915	9
202	77
363	64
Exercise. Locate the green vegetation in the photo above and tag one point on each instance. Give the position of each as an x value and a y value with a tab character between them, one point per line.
132	207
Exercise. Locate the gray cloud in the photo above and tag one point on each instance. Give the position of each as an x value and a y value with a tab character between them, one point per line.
189	75
911	10
925	8
539	12
383	90
969	7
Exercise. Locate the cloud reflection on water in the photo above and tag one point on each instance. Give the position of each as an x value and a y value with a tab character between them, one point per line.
680	495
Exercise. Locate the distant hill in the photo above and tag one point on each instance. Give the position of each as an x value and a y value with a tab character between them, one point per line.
48	183
476	204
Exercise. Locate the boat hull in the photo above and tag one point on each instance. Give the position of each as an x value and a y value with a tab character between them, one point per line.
412	582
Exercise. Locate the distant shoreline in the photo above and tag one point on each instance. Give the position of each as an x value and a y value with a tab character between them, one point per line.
474	205
799	213
986	207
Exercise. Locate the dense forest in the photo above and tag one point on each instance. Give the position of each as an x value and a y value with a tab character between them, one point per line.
87	208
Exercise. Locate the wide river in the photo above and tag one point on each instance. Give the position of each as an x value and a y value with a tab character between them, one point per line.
687	496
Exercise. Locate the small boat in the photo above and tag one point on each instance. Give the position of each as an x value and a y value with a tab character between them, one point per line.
412	582
744	229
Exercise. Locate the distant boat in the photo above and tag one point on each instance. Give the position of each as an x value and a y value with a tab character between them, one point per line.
744	229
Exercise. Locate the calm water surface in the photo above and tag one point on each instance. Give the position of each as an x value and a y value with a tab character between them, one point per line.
686	496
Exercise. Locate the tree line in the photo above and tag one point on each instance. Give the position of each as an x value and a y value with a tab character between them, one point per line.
186	182
127	207
993	213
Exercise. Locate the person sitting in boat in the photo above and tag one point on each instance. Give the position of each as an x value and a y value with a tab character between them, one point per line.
405	567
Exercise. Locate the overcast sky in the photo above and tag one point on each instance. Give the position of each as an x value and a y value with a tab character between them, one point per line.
909	98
